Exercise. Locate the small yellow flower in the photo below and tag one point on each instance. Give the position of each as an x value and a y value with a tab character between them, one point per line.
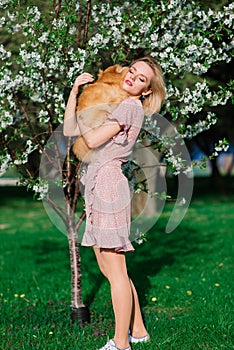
51	333
177	278
22	295
167	287
189	292
16	295
154	299
5	300
221	264
217	285
1	294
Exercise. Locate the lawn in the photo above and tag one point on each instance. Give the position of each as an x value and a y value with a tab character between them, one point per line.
184	279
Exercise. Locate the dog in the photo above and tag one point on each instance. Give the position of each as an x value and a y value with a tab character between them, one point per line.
96	102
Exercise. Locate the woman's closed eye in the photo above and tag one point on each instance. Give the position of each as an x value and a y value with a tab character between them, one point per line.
137	76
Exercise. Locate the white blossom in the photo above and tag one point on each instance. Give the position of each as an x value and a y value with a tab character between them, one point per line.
72	30
140	237
60	23
34	13
6	120
41	188
4	54
221	146
5	162
3	3
43	116
43	38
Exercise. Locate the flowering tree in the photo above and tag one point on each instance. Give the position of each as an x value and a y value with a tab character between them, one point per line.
43	50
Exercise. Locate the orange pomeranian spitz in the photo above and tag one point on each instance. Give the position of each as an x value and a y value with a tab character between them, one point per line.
96	102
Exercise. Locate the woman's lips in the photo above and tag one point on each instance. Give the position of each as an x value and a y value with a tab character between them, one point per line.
128	82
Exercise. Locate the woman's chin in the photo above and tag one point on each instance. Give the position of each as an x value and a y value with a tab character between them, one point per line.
125	87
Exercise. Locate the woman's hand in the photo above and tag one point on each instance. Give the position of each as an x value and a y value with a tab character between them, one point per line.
82	79
71	128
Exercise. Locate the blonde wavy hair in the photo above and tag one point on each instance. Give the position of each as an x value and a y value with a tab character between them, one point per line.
153	102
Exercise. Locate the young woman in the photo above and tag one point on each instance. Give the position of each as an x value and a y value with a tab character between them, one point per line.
107	195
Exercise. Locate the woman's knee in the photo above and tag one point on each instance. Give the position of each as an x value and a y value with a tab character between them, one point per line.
114	266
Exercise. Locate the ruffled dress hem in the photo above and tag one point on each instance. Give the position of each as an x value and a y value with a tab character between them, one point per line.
118	239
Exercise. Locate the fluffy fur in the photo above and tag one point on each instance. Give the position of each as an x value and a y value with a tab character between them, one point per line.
96	101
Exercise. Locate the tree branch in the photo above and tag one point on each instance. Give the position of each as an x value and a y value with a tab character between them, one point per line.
58	9
79	27
58	210
88	11
83	215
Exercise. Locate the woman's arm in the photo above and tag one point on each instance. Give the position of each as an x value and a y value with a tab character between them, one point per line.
120	119
71	127
96	137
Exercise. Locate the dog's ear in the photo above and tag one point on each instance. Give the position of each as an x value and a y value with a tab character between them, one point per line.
120	69
111	69
100	73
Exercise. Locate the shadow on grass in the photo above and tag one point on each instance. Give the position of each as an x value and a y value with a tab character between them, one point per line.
46	251
160	251
9	193
164	250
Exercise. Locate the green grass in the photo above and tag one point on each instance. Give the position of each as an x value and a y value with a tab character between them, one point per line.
189	272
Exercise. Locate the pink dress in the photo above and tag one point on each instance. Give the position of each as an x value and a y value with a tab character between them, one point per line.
107	193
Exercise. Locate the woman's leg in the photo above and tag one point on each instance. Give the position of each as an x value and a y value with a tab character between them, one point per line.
99	260
137	326
113	266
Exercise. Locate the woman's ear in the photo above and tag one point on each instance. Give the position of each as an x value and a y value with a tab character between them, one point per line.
146	93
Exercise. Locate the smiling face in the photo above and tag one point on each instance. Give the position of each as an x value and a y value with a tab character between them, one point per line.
137	80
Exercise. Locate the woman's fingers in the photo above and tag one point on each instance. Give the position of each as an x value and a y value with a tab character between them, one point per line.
82	79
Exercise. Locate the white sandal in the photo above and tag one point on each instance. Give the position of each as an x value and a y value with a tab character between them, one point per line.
110	345
143	339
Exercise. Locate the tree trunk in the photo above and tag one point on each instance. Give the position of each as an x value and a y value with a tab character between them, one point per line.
58	164
79	312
